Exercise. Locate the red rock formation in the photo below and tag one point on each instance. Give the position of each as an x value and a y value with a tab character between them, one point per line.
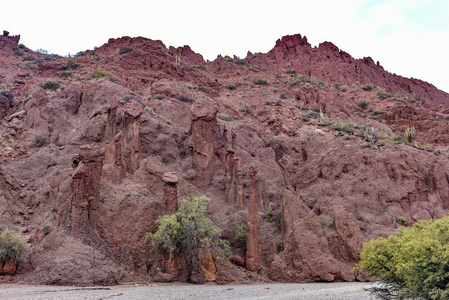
204	141
229	174
131	136
170	192
253	247
120	168
110	134
207	265
86	188
7	41
238	177
8	267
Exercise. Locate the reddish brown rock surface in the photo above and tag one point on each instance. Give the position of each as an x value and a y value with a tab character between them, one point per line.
253	247
321	189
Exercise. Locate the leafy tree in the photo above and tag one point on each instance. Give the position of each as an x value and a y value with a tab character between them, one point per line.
188	230
411	264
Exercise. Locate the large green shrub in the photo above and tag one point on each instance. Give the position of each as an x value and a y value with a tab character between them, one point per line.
188	230
12	245
411	264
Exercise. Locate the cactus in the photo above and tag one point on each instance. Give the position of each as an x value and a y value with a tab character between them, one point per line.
410	134
322	120
370	135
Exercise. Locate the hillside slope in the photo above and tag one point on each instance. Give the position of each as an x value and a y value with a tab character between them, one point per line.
96	147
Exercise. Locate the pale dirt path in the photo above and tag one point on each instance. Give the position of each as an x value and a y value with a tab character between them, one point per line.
315	291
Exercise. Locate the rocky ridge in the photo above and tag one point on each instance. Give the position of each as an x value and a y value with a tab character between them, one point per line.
302	144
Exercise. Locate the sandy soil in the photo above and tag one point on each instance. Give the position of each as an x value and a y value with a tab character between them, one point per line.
334	291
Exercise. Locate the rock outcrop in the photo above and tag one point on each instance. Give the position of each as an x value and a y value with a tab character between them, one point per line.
206	142
170	192
172	129
132	148
253	247
7	41
86	189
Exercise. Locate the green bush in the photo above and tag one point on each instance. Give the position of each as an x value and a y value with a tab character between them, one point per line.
50	85
240	231
411	264
384	95
184	98
41	141
367	87
12	245
72	65
363	104
261	81
100	73
66	74
188	230
410	134
125	50
302	79
18	52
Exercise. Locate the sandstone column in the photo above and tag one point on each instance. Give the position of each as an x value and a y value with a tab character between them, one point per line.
131	135
86	188
110	132
120	168
234	146
239	182
203	141
229	174
170	192
253	247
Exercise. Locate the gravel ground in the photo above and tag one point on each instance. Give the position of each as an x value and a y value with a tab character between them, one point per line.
316	291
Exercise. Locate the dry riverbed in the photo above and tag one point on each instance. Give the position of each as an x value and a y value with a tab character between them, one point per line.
315	291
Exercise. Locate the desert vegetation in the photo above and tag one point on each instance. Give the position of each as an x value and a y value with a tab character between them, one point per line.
188	230
412	264
12	245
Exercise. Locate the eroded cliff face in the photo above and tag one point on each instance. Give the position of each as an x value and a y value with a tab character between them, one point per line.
88	168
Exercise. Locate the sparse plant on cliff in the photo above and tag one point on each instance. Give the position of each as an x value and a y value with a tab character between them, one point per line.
240	231
184	98
412	264
326	221
100	73
124	50
50	84
41	141
12	245
72	65
304	79
383	95
402	220
410	134
188	230
272	141
245	109
66	74
340	87
261	81
367	87
363	104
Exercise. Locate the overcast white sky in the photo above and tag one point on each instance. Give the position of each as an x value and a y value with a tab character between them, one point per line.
408	37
